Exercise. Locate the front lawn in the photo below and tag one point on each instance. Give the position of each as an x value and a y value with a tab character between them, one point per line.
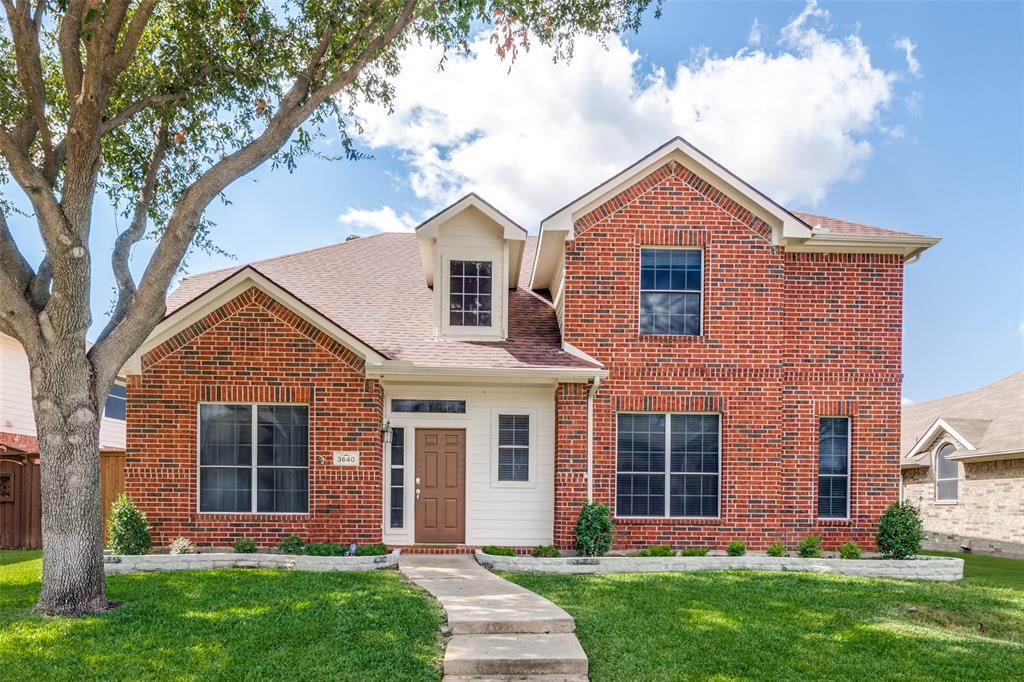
750	625
224	625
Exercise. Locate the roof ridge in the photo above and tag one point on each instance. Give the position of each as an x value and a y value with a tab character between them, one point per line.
1015	375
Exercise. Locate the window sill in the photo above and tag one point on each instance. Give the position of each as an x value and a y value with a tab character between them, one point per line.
947	503
832	521
688	338
667	520
245	516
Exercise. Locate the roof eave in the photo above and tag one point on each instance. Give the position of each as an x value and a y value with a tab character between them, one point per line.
910	247
399	370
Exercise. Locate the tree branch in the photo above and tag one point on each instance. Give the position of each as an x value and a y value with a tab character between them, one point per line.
25	33
132	35
136	230
33	183
69	45
12	263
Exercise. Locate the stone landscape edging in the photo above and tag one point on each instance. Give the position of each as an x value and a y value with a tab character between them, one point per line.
124	563
918	568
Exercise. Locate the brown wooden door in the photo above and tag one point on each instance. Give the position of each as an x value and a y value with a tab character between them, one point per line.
441	481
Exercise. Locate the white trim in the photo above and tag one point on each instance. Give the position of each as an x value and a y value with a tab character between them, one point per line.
430	227
531	481
400	370
582	355
849	469
591	394
253	511
939	424
212	299
987	456
668	468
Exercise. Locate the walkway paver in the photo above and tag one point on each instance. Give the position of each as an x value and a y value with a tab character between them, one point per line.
500	630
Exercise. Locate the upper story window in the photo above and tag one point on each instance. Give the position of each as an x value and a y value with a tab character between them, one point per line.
946	474
670	291
253	458
470	293
667	465
834	467
116	404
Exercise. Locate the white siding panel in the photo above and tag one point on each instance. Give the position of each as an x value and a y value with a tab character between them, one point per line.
496	513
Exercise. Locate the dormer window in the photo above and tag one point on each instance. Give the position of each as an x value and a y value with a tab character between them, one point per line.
470	293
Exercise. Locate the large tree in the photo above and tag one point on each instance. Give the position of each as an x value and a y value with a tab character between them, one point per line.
157	106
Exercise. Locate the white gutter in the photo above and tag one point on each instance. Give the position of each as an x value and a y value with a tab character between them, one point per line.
590	437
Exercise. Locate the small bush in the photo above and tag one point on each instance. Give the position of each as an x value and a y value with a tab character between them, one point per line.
325	549
851	550
776	549
245	546
899	531
656	550
494	550
736	548
694	551
377	549
292	544
128	528
545	552
594	530
182	546
809	547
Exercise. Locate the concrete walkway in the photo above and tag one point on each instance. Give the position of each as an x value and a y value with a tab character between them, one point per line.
500	631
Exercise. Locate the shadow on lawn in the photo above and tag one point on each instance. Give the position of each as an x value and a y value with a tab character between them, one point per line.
786	626
230	625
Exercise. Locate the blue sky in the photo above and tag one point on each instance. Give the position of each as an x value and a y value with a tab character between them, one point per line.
907	115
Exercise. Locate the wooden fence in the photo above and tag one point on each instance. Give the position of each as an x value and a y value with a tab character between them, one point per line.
20	500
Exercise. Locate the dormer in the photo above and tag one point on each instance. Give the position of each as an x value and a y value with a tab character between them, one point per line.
471	255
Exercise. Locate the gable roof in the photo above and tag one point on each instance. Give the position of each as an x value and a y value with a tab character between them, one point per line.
373	289
987	423
795	230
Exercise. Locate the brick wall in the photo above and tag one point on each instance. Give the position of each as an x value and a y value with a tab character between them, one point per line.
254	350
570	459
988	516
787	337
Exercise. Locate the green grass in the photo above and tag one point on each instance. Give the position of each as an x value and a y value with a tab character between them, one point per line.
224	625
747	625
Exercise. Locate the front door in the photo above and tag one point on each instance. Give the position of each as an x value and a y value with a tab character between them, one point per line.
440	485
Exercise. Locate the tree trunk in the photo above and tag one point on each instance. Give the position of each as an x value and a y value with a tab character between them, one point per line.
68	412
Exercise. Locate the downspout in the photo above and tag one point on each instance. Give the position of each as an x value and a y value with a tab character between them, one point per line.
590	437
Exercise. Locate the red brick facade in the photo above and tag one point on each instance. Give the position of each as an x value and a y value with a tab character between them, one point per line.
786	338
253	349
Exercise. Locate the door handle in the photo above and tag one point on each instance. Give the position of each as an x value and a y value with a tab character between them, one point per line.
417	494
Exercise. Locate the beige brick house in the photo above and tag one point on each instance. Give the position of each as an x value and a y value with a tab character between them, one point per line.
963	465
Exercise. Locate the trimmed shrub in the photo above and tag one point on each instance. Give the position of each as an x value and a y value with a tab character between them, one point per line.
736	548
494	550
325	549
245	546
851	550
776	549
376	549
809	547
594	530
656	550
181	546
899	531
128	528
545	552
694	551
292	544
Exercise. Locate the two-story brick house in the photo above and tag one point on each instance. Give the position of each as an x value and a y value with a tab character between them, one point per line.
674	344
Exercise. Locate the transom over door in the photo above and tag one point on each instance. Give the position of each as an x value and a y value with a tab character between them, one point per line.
440	485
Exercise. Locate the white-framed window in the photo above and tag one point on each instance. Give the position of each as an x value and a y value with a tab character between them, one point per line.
513	445
671	290
469	293
116	404
253	458
833	467
668	465
947	475
396	482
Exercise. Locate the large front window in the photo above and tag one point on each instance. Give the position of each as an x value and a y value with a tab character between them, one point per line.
670	291
667	465
834	467
470	303
253	458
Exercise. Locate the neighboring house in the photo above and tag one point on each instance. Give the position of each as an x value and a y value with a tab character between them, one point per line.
963	466
674	344
20	506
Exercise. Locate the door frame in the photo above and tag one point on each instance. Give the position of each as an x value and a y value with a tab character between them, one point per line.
465	482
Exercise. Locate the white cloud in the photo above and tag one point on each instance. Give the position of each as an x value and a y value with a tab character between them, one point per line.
904	401
1020	329
908	47
794	123
384	219
754	37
